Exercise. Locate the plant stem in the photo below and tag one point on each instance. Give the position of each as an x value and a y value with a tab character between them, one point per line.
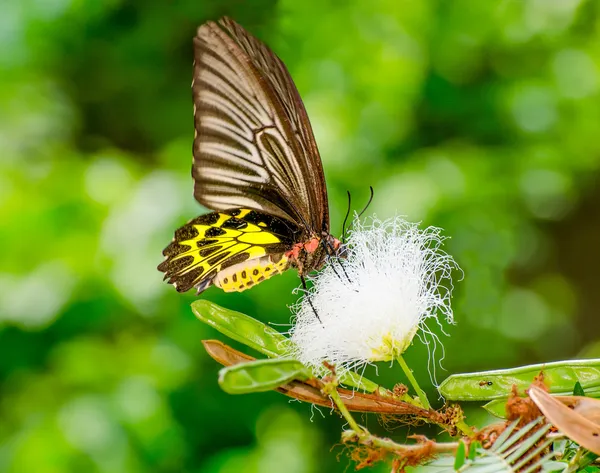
363	436
409	374
574	463
331	390
465	429
398	448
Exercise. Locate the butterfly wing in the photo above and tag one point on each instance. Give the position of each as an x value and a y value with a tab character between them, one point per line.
213	244
254	146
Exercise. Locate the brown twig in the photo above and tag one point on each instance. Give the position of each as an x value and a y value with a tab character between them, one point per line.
310	391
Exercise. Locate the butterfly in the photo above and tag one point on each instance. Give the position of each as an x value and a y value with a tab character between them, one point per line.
256	164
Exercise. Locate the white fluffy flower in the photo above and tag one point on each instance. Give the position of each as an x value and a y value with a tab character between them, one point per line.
371	304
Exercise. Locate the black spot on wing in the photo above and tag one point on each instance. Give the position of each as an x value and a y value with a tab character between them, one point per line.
235	224
207	219
239	258
188	280
214	232
175	249
209	251
287	231
201	243
235	213
187	232
216	259
171	266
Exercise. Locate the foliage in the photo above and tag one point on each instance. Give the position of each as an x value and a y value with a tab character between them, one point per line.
515	447
514	450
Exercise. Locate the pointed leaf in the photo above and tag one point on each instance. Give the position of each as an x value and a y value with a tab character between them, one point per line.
587	459
473	449
493	461
555	466
578	389
506	433
352	379
497	408
260	375
460	456
532	454
515	437
536	466
487	464
520	450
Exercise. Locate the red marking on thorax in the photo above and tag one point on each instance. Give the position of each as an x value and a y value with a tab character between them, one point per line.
311	245
294	252
336	243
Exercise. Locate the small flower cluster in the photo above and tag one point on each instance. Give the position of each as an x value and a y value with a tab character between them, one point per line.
371	304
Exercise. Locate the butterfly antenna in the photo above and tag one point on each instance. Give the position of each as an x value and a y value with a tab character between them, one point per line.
368	203
346	218
365	208
309	299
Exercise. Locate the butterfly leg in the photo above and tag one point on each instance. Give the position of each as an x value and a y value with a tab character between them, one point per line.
309	300
330	252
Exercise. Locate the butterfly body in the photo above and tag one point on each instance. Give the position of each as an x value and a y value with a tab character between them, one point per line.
256	164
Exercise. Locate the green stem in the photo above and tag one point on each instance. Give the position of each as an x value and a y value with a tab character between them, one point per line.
409	374
465	429
574	463
397	448
331	390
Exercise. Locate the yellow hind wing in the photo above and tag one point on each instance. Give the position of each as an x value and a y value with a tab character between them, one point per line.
211	243
242	276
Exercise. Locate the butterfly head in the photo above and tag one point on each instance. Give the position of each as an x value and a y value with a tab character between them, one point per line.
330	246
341	251
333	246
311	254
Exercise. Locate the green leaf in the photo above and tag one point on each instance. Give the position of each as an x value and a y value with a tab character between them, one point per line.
591	469
511	451
260	375
578	389
352	379
487	385
587	459
242	328
554	466
473	449
497	408
460	456
260	337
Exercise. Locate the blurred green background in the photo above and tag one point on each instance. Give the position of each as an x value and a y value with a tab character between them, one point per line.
481	117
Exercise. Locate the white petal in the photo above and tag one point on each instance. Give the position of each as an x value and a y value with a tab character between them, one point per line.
371	304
